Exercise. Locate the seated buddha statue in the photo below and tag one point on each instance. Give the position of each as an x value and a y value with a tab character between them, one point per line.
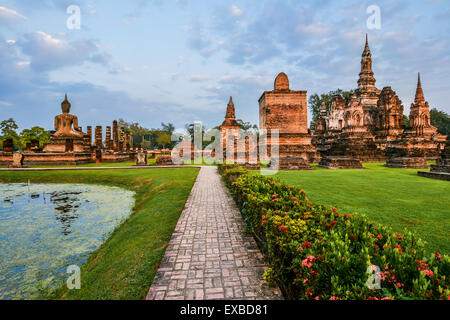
67	124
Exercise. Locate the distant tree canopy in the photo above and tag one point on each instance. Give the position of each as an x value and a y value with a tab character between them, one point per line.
149	138
441	121
315	101
35	133
8	131
246	125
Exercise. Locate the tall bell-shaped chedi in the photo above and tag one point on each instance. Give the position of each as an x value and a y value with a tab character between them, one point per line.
366	83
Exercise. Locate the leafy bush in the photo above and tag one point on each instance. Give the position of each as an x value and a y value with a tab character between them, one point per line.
315	252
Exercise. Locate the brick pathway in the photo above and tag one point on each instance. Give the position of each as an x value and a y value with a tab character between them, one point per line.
209	256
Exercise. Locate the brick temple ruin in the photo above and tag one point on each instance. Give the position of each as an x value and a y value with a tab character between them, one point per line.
370	127
238	146
69	145
286	111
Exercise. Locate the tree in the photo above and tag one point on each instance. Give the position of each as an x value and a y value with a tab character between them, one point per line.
169	128
406	121
8	130
164	139
35	133
441	121
315	101
246	125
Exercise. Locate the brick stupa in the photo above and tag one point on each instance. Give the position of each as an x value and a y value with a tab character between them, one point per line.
286	110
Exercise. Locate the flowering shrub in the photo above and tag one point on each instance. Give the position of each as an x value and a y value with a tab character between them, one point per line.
315	252
164	160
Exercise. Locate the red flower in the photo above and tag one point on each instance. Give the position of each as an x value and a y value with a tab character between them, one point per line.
437	256
282	228
334	298
352	236
429	273
379	237
306	244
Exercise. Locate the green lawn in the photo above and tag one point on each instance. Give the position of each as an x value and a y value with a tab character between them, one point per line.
398	198
124	266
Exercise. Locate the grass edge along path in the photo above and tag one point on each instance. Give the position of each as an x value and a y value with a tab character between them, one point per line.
124	266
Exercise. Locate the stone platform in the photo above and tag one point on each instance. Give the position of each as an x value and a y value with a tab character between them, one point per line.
406	162
340	163
435	175
294	164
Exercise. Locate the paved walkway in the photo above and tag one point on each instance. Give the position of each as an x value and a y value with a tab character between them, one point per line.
210	256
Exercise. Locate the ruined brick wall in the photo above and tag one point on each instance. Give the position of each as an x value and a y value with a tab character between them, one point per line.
286	111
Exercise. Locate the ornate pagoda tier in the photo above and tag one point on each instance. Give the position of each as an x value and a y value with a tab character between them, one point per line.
420	139
286	111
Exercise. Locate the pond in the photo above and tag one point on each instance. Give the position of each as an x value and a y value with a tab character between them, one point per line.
44	228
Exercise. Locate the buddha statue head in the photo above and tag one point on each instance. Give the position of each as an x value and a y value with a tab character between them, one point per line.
65	105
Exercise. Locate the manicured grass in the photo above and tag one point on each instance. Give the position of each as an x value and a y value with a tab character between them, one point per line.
397	198
124	266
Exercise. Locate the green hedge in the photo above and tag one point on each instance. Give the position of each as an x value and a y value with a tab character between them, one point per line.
315	252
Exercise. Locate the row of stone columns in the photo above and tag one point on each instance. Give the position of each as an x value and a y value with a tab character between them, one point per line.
116	140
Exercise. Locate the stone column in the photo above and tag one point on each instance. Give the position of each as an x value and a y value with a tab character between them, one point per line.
108	138
122	139
128	141
115	136
89	133
98	137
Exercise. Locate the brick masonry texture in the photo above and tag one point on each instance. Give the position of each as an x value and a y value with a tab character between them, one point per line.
210	257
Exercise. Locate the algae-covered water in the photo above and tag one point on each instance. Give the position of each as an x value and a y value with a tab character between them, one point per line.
44	228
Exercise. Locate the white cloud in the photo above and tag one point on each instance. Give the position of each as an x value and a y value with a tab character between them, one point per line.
235	11
10	16
199	77
315	29
23	63
47	52
6	104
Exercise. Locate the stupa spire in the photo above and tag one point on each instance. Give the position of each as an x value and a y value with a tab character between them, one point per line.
230	117
230	110
420	98
366	82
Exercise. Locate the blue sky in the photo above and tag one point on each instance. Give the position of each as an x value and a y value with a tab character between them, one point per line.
179	60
